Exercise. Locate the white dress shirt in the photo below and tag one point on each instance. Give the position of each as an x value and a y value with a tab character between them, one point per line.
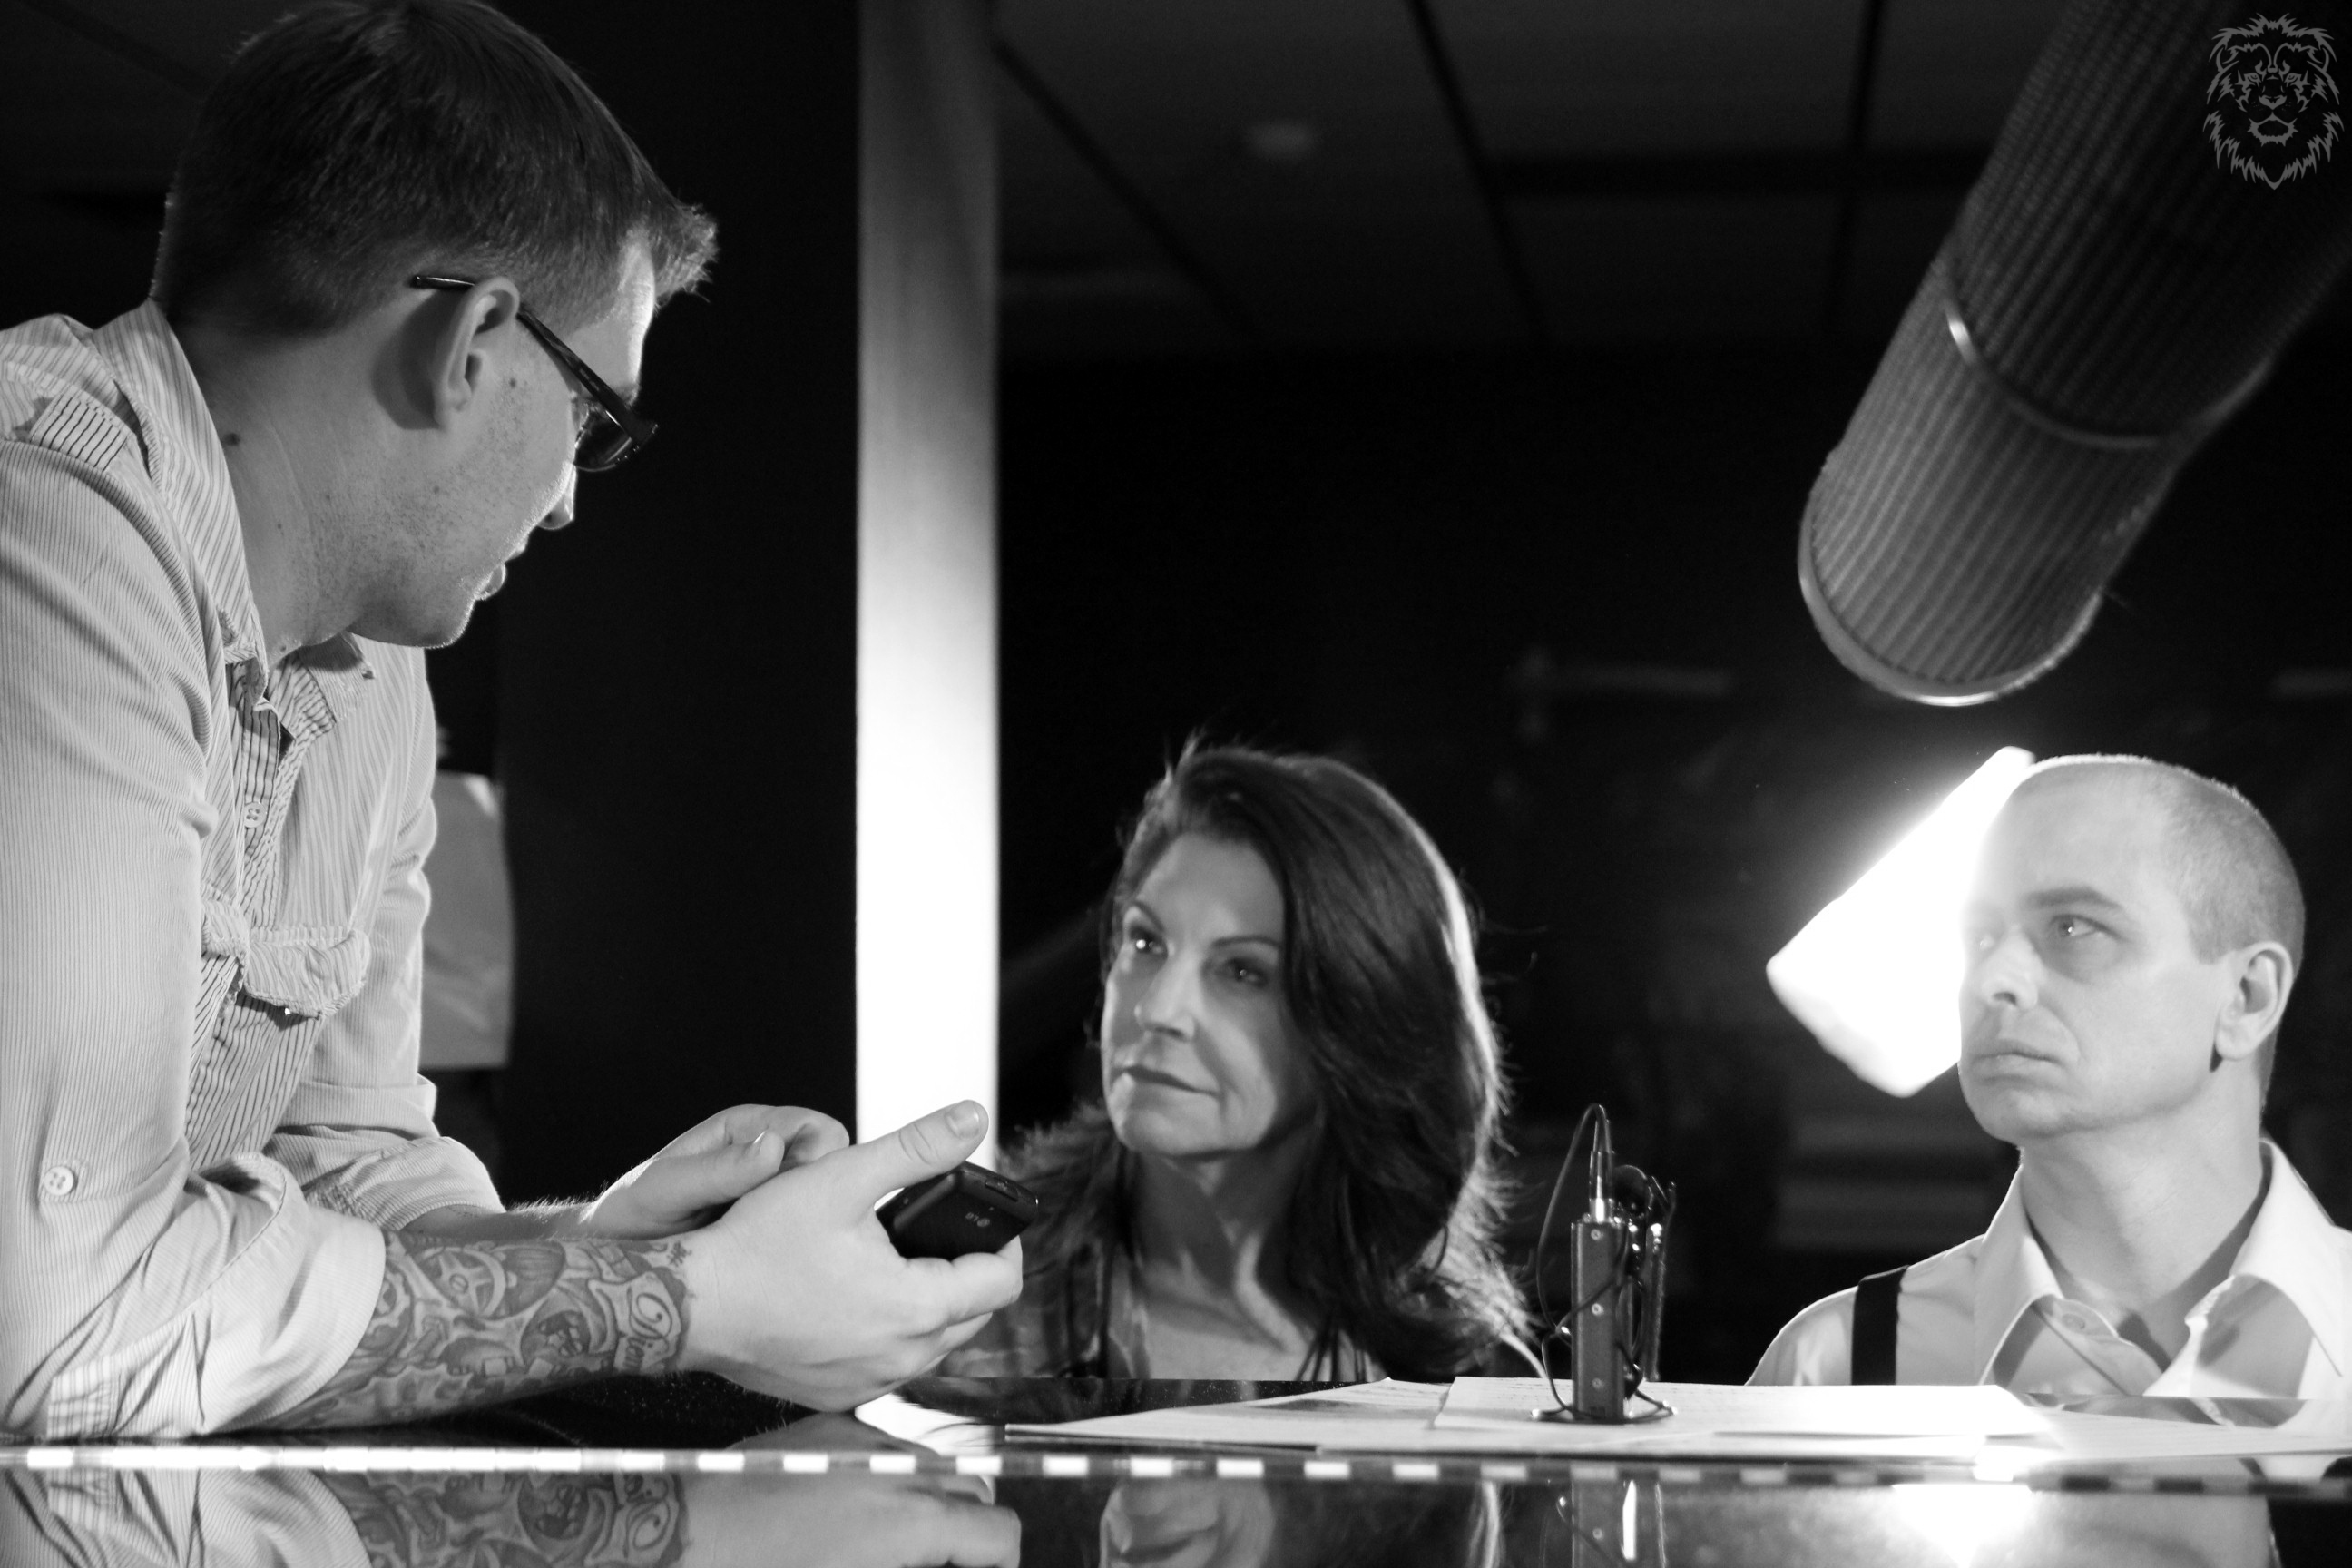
1989	1310
211	890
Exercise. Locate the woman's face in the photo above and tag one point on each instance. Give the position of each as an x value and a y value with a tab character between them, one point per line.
1199	1057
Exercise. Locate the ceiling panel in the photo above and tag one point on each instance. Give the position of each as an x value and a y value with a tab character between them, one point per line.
1687	266
1894	237
1081	276
1948	69
199	37
1565	79
75	114
1298	146
1390	273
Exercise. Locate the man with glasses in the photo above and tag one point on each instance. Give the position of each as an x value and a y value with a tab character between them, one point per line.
399	302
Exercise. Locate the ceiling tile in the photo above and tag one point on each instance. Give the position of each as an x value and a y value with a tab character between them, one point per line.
200	37
1081	276
1948	69
1546	77
1686	266
1895	236
75	114
1299	147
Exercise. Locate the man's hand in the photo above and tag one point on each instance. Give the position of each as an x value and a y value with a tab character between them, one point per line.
796	1292
696	1175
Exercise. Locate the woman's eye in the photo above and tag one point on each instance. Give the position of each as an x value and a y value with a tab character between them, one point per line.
2071	926
1247	973
1141	940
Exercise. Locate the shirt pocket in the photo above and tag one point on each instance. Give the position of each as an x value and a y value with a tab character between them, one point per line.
312	972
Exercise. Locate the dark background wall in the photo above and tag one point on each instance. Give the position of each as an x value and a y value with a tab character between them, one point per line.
677	673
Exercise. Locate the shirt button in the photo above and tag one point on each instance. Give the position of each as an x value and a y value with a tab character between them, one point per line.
253	817
2075	1322
58	1181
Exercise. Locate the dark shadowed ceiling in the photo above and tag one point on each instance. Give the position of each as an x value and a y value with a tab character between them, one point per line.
1211	176
1200	176
1192	174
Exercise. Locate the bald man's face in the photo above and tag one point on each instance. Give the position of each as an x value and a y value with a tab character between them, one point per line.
2084	1005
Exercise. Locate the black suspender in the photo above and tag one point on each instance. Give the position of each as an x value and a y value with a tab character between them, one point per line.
1875	1310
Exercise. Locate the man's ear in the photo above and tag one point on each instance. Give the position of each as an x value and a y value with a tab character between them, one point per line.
468	344
2262	975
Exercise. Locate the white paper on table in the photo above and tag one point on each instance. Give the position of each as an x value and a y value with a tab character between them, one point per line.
1386	1414
937	1430
1493	1415
1868	1410
2320	1426
1733	1421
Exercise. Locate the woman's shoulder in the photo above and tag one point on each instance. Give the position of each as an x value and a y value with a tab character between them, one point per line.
1073	1167
1055	1328
1052	1330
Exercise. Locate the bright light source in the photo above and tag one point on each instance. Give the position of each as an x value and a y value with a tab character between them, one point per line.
1963	1518
1876	975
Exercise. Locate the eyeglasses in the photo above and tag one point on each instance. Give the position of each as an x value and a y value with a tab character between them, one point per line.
609	429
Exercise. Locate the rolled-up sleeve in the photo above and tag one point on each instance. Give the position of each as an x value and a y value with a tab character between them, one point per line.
359	1132
136	1297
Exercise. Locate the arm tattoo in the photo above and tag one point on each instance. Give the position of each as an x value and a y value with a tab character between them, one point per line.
461	1322
439	1521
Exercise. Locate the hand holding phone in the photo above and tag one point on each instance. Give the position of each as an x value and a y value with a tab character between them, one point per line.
967	1209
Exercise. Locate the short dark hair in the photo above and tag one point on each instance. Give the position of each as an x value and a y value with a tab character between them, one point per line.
354	144
1390	1235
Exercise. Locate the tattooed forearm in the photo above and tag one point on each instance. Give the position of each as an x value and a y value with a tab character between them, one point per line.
463	1322
564	1521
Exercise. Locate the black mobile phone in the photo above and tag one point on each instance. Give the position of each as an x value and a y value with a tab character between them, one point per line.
967	1209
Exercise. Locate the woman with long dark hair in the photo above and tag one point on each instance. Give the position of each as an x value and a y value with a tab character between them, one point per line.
1290	1172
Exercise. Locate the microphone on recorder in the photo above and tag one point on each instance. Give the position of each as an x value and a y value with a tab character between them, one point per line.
1617	1252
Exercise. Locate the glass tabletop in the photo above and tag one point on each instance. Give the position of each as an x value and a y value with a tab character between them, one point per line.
695	1471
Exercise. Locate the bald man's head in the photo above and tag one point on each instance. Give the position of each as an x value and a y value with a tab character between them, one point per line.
2232	873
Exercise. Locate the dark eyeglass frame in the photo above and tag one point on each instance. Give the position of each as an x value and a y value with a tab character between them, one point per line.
612	429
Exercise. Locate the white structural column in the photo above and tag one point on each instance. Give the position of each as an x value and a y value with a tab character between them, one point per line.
927	878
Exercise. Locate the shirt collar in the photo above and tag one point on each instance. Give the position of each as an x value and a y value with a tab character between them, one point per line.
2013	1274
2292	1248
183	458
336	669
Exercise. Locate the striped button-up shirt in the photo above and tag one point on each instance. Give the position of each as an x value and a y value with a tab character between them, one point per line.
211	895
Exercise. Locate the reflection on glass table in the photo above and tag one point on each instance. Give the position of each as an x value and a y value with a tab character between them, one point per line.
114	1519
693	1472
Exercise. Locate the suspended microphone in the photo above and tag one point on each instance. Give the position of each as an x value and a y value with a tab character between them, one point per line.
2165	205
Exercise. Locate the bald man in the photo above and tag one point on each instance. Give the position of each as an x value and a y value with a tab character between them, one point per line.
2133	932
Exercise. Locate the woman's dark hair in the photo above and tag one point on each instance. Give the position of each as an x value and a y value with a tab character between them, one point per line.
352	144
1390	1234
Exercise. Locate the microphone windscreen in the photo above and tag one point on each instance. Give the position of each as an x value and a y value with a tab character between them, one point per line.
2164	209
